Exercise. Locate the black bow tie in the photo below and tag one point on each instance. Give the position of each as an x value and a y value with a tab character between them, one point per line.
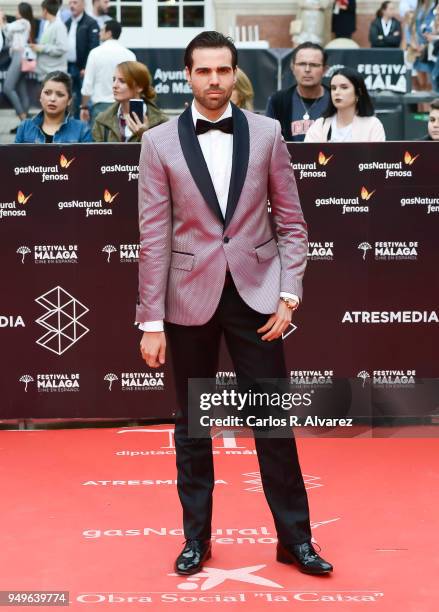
225	125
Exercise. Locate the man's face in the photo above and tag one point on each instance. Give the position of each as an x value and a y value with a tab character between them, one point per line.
76	7
433	124
103	34
308	67
212	77
103	6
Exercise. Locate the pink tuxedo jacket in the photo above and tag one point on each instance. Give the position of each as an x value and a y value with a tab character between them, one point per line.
186	244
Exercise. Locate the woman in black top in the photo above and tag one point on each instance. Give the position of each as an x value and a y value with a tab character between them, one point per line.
385	30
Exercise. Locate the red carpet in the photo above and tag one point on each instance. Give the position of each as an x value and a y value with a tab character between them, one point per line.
95	512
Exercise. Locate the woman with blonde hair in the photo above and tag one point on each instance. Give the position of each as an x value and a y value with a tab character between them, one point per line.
131	80
243	93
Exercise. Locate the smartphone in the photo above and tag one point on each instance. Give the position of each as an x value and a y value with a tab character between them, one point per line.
136	106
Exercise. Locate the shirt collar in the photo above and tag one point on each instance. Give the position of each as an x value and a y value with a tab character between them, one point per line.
197	115
39	119
78	18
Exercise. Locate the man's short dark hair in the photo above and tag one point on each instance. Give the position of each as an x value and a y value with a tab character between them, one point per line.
309	45
210	40
114	27
434	104
51	6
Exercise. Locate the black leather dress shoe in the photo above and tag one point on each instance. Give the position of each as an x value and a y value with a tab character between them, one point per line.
192	557
305	557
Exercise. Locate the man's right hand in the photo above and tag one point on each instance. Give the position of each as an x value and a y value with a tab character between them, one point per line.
153	348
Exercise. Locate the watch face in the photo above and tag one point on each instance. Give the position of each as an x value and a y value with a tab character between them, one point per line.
292	304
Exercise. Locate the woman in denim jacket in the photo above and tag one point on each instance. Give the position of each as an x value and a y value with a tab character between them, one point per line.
53	124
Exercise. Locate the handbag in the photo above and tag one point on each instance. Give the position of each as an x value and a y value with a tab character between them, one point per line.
28	60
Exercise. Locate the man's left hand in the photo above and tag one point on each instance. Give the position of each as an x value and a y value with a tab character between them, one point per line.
277	323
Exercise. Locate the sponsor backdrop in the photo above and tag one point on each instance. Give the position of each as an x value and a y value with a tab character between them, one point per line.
369	322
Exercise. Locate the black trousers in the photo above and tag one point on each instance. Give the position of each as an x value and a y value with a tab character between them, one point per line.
195	354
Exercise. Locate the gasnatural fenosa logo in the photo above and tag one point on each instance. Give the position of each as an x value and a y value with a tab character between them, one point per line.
22	198
392	169
310	169
410	159
50	173
365	194
108	197
323	160
92	207
349	205
64	162
9	209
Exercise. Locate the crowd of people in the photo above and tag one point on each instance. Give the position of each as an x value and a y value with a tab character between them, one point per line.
88	78
420	19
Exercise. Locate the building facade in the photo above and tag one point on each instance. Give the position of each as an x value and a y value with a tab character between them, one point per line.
172	23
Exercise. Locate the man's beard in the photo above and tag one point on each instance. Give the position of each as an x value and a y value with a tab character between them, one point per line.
213	104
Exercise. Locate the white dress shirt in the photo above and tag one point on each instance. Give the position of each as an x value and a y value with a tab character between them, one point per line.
71	53
386	25
99	71
217	148
340	134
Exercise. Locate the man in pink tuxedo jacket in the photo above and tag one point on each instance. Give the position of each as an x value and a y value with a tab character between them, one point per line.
212	263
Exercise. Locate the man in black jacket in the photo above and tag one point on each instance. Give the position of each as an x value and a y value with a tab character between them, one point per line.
297	107
83	37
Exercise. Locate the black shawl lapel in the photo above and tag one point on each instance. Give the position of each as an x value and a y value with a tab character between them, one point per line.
240	159
196	163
